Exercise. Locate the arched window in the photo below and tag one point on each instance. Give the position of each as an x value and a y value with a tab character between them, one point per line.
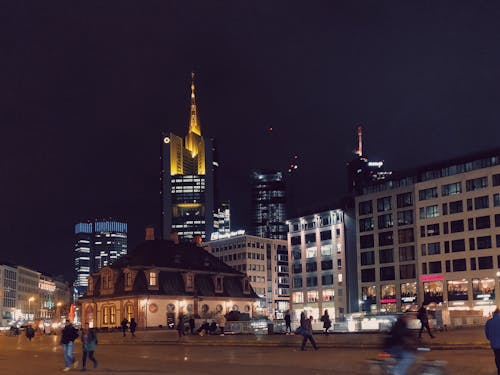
129	311
105	315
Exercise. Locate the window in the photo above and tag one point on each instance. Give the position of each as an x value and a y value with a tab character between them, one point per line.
434	267
473	264
447	266
311	267
496	200
385	221
484	242
485	263
112	315
482	222
446	247
296	253
339	263
456	207
295	240
384	204
457	226
444	208
472	244
496	179
311	252
451	189
469	204
497	220
312	295
432	230
406	253
481	202
310	238
326	250
386	256
429	211
366	241
404	200
385	238
424	269
128	279
446	228
367	258
297	282
365	207
498	240
325	235
153	279
476	184
457	245
387	273
105	315
426	194
366	224
327	280
129	312
405	235
434	248
459	265
298	297
405	217
297	268
407	271
311	281
326	265
367	275
329	294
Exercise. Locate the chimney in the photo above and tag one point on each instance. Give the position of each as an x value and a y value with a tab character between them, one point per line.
150	233
174	236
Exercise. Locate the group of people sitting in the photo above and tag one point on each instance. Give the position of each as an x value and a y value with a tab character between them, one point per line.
216	326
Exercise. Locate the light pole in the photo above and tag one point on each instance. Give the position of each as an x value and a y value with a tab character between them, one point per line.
31	299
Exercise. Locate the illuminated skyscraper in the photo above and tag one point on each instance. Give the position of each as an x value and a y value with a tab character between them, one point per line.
97	244
269	201
187	184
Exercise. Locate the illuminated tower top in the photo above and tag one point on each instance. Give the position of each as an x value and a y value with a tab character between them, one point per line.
193	139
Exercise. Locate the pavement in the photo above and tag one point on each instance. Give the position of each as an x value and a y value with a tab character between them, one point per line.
467	338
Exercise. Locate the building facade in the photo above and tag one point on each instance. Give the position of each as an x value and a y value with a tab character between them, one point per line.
98	243
187	181
269	204
8	290
222	219
432	235
322	264
264	261
161	280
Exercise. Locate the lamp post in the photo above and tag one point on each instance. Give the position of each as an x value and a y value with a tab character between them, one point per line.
31	299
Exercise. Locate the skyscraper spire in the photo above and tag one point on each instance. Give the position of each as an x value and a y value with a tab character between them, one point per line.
194	123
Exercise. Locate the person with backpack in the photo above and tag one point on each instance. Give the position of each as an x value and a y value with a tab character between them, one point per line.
68	336
424	320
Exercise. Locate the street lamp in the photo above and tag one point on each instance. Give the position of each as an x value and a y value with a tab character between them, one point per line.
31	299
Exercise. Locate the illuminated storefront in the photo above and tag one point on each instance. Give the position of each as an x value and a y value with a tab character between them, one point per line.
388	298
408	295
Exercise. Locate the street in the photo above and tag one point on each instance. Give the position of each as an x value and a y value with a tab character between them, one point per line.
44	356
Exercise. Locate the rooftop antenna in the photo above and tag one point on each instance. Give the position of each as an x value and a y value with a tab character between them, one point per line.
359	152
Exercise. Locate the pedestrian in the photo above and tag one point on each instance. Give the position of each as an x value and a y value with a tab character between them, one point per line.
424	320
124	325
222	324
288	323
302	318
307	334
30	332
180	326
133	326
191	324
89	343
492	331
327	323
68	336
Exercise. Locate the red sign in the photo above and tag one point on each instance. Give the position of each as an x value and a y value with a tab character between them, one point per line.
431	277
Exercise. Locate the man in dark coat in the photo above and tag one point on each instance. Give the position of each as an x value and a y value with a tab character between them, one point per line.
492	331
424	320
124	325
68	336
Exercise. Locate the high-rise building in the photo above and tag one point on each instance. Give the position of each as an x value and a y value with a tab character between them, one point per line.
187	185
432	235
269	200
222	219
98	243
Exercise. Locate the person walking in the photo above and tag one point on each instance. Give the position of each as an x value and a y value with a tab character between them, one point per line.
401	345
180	326
424	320
133	326
288	323
89	343
191	324
492	331
307	334
327	323
30	332
222	324
68	336
124	325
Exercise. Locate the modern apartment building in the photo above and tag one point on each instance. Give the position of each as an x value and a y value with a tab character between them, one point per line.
187	181
264	261
432	235
322	263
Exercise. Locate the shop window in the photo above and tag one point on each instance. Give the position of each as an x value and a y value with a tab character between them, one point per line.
369	294
433	292
312	296
388	293
328	295
408	293
298	297
458	290
129	311
483	289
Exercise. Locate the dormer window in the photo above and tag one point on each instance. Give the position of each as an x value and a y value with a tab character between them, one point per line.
219	286
153	280
107	280
189	282
128	279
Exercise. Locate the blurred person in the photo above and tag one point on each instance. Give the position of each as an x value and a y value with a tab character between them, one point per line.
401	344
89	343
124	325
191	324
424	320
68	336
30	332
222	324
288	322
492	331
307	334
133	326
327	323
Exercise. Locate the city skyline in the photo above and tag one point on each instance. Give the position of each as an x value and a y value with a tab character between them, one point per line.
82	120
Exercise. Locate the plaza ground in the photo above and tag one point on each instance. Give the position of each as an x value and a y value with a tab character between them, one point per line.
159	352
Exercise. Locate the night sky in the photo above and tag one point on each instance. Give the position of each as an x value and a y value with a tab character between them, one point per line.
87	87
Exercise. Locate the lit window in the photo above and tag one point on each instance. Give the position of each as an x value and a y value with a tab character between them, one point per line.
153	279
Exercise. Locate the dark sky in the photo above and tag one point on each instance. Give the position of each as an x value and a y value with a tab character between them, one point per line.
87	87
